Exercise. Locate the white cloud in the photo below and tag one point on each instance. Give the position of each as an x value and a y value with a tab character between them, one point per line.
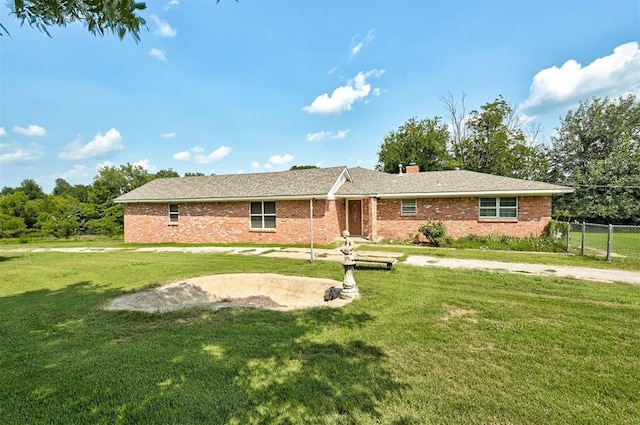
340	134
273	162
32	130
10	154
100	145
279	159
164	29
145	164
182	156
357	43
105	164
326	135
613	75
196	154
78	172
3	132
171	4
345	96
168	135
158	54
214	156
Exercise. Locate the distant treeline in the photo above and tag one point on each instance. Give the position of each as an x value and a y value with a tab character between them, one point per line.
72	209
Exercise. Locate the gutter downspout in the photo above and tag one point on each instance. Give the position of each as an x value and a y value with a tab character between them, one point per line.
311	228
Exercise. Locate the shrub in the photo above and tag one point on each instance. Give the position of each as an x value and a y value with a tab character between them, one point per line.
435	232
543	243
556	230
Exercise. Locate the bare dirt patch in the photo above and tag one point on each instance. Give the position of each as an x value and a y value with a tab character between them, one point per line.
261	290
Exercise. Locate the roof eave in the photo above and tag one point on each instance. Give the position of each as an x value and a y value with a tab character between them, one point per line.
460	194
221	199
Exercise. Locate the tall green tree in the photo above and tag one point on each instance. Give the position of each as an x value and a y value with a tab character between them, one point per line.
597	151
63	218
113	181
423	142
32	189
110	183
62	187
494	142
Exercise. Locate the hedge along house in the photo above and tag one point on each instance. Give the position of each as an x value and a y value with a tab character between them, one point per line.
316	205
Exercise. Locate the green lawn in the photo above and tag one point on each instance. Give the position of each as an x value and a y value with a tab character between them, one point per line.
422	345
625	245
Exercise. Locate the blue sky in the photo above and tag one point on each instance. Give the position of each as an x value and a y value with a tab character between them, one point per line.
259	86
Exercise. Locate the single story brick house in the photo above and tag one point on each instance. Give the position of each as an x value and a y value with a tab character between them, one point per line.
317	204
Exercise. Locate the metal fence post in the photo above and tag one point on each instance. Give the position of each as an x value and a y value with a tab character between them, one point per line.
568	234
610	242
584	227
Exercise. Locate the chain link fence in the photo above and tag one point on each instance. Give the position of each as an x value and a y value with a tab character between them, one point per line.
604	240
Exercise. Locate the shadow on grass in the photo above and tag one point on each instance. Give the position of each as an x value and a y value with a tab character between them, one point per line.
67	360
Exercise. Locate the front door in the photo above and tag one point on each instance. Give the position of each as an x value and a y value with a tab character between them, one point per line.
355	218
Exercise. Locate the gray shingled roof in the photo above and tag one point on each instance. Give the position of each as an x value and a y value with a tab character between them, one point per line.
318	182
308	183
440	183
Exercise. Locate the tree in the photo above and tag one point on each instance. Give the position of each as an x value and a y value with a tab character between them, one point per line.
118	17
493	141
597	151
302	167
62	187
423	142
14	204
62	219
112	182
169	172
458	117
10	226
32	189
19	205
6	190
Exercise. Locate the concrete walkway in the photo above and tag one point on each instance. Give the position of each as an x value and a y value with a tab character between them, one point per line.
583	273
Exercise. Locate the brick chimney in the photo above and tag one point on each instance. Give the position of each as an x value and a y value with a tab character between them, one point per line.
412	168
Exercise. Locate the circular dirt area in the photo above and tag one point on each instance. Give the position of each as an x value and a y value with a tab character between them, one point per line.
270	291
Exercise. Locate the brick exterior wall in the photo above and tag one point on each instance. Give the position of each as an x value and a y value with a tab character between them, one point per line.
460	215
228	222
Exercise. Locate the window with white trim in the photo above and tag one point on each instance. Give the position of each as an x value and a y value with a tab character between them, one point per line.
499	207
263	215
173	213
409	206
